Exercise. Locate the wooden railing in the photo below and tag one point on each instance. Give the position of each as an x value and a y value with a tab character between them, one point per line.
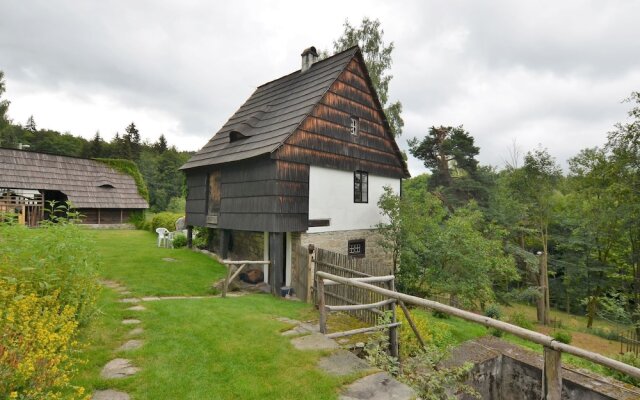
552	368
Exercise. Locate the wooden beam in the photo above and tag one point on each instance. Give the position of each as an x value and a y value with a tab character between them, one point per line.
230	262
277	259
310	271
355	307
189	236
363	330
369	279
407	315
552	375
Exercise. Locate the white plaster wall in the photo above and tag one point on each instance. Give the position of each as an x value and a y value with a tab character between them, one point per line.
331	196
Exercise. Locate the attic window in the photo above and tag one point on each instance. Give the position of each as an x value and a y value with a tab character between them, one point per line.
355	125
234	136
106	186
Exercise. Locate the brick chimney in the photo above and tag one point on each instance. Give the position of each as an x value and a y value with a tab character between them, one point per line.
309	56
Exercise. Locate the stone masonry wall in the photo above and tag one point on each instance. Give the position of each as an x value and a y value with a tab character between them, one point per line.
337	242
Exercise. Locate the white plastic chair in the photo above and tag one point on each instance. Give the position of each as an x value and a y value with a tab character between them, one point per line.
163	237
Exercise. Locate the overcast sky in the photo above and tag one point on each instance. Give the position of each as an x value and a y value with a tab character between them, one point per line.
551	73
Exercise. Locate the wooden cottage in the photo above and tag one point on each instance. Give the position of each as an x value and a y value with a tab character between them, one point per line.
304	160
29	179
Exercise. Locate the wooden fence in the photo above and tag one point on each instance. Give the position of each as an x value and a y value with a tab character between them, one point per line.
552	349
630	342
350	267
300	279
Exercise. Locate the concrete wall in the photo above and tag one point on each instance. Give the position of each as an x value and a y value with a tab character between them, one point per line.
331	197
503	371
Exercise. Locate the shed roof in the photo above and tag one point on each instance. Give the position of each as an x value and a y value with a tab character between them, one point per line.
87	183
272	113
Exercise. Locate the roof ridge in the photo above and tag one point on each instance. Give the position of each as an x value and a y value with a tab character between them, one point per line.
324	60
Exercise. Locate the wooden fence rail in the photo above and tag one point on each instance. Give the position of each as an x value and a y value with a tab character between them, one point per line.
552	370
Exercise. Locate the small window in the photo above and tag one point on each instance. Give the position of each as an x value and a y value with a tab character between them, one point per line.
355	125
355	248
360	187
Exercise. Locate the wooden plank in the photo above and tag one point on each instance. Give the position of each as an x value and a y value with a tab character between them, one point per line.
360	306
322	307
362	330
277	261
552	375
407	315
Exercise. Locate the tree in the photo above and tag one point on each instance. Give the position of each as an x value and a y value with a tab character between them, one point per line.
533	186
4	104
161	145
95	148
377	57
449	152
31	125
132	142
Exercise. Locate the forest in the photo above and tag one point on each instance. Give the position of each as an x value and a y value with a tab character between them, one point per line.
528	232
158	162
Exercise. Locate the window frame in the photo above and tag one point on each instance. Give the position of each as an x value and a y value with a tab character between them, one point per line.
358	190
363	248
354	128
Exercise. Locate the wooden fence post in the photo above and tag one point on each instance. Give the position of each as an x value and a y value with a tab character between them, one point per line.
552	374
189	236
310	272
393	331
321	306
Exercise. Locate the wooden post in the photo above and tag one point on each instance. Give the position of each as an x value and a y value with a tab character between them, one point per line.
225	287
321	306
225	234
277	259
552	374
310	271
189	236
393	330
411	323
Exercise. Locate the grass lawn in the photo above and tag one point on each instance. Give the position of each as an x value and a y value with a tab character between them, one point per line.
209	348
132	257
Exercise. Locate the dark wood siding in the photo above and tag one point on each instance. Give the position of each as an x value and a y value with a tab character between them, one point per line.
324	137
258	194
196	207
105	215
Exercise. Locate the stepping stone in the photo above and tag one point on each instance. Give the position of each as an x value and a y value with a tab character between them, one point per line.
131	345
380	386
137	308
136	331
129	300
118	368
109	284
124	292
109	394
169	259
130	321
343	362
315	341
174	297
151	298
288	321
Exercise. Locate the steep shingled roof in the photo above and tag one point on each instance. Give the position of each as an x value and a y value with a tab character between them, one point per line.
271	113
85	182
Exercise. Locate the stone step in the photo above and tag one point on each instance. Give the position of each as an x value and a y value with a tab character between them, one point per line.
118	368
380	386
343	362
110	394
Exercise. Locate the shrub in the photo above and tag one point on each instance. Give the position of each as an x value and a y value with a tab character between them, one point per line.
177	205
440	314
562	336
433	333
493	311
164	220
130	168
36	344
631	359
179	241
47	290
519	319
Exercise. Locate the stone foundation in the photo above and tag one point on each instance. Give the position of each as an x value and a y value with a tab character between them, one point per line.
337	242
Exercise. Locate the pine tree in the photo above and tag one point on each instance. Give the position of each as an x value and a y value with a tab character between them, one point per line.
161	145
31	125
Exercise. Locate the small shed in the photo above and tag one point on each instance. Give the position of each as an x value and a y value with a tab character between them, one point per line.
101	194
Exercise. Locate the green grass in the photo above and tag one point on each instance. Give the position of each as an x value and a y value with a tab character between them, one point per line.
132	258
208	348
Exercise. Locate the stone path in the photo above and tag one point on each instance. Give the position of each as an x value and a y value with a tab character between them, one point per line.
122	367
376	386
